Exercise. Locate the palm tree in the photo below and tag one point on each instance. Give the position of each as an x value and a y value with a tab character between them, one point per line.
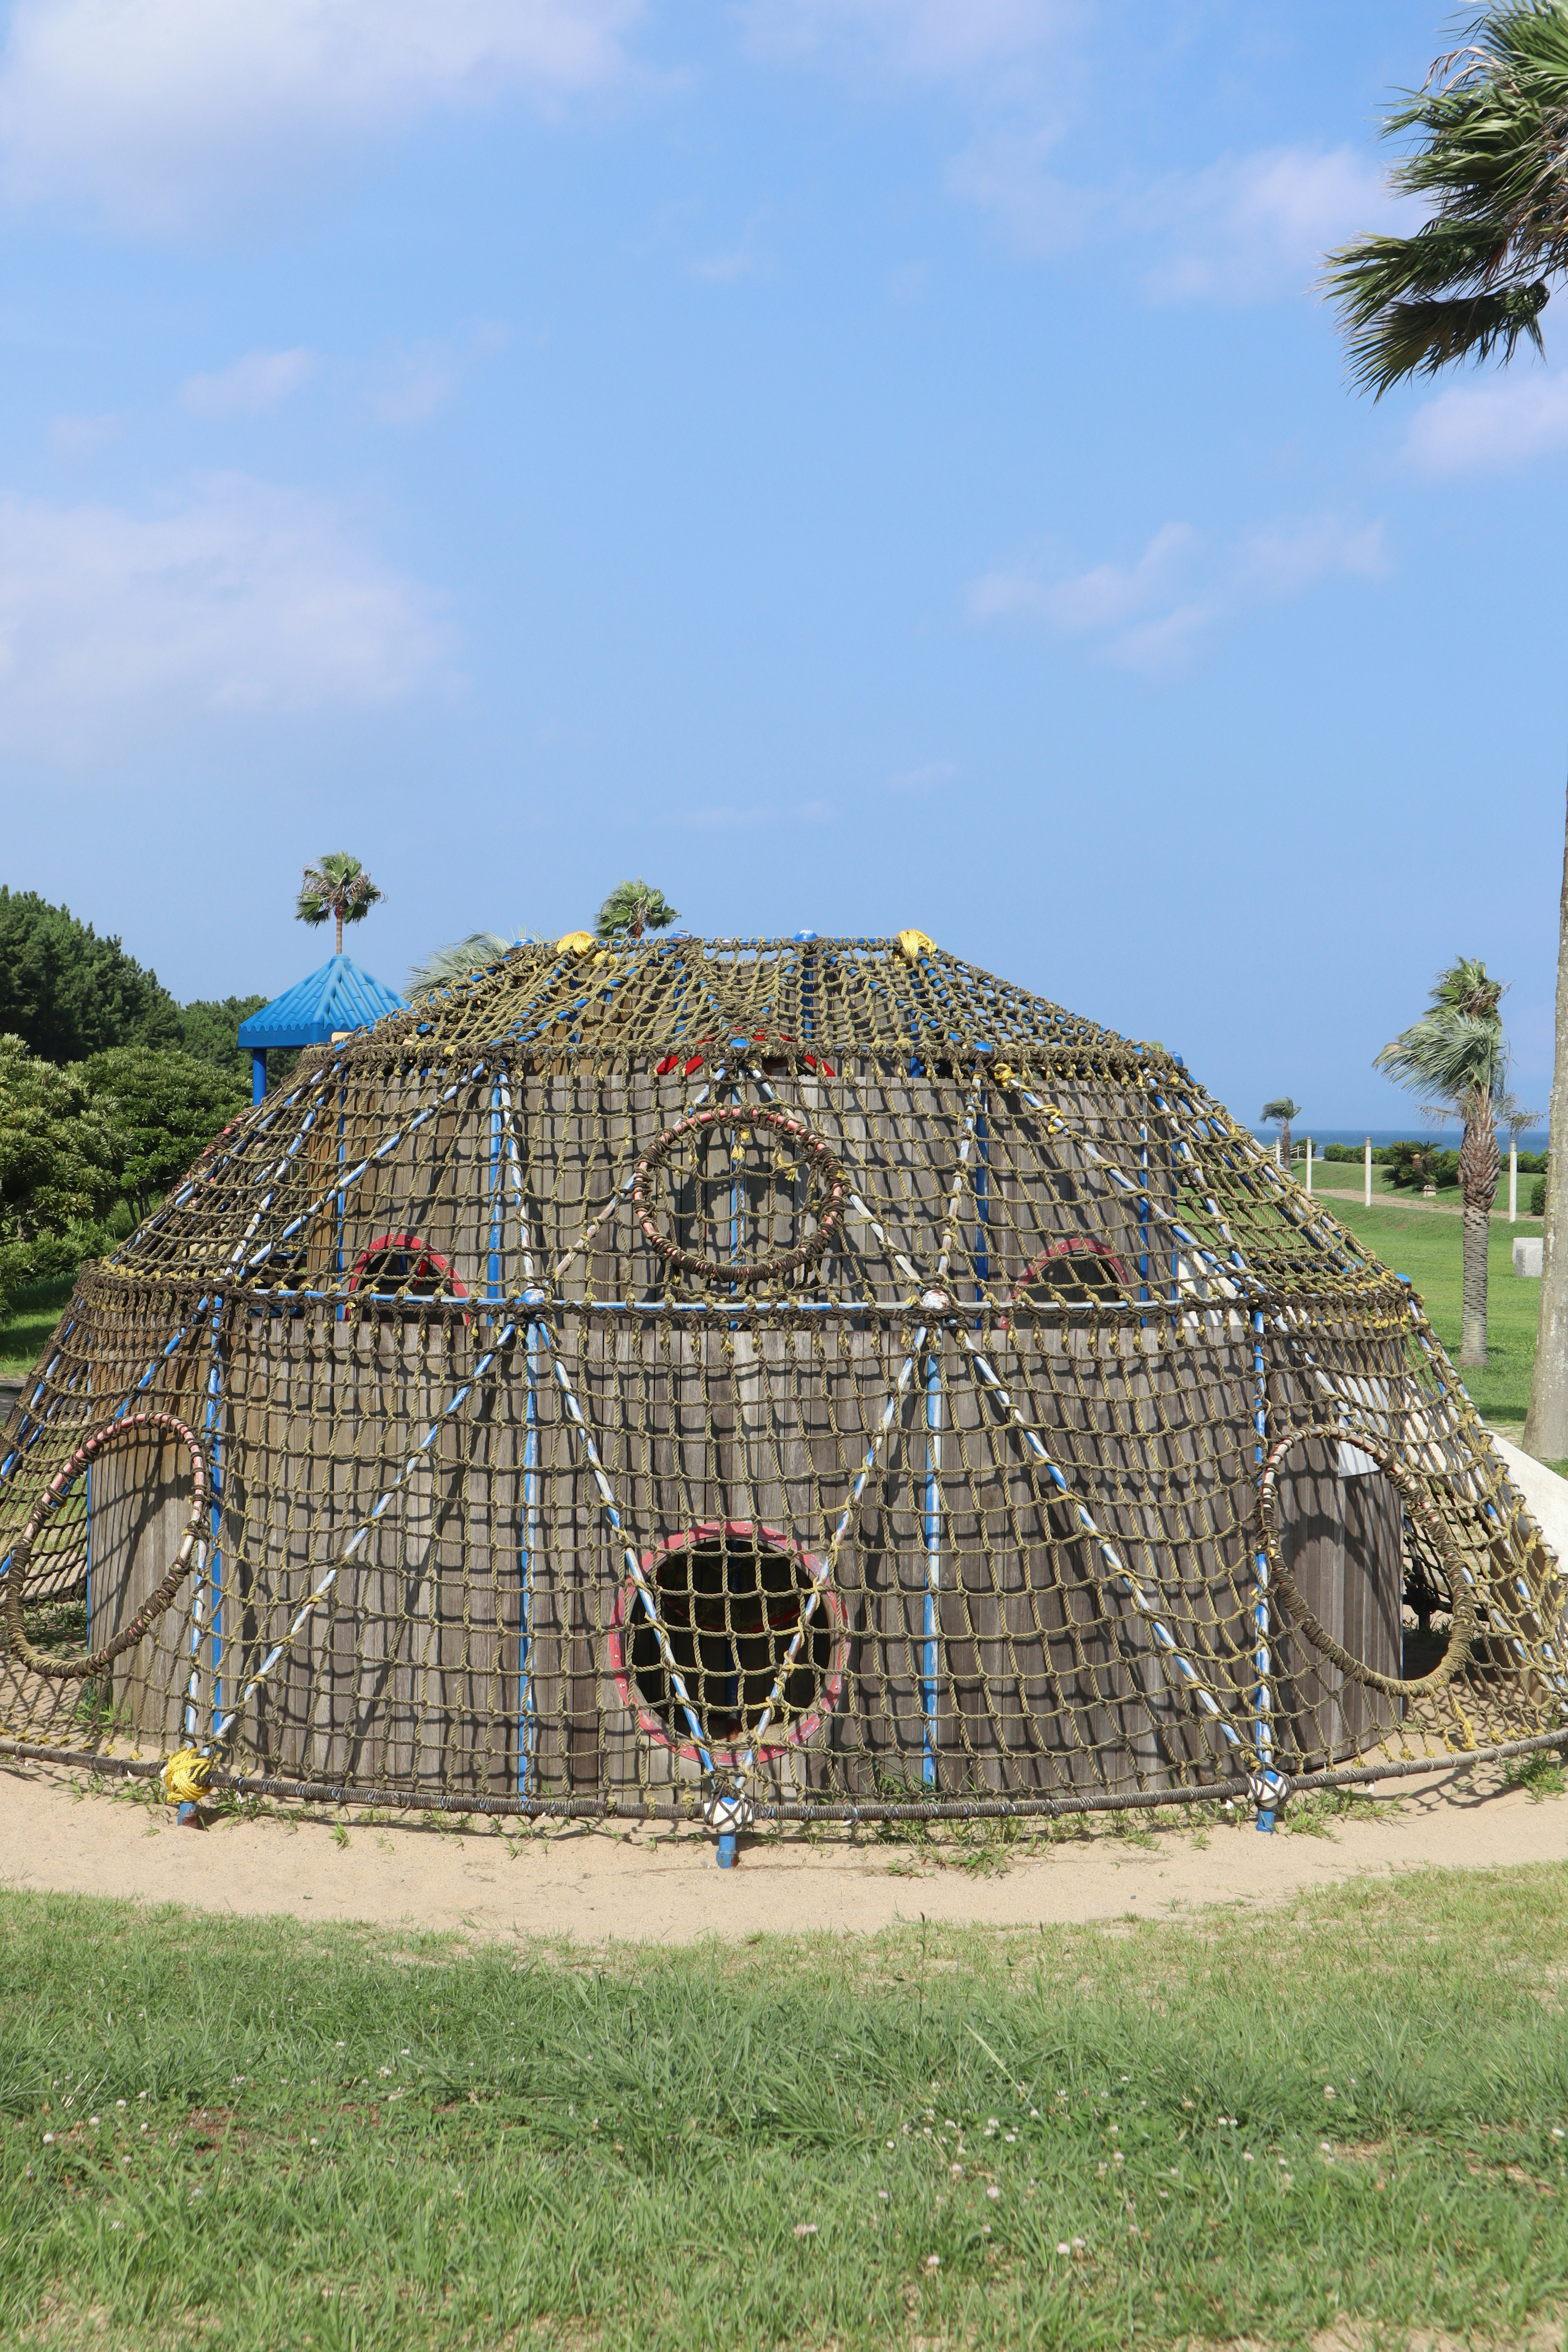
1280	1113
1491	163
443	966
635	907
1456	1057
336	885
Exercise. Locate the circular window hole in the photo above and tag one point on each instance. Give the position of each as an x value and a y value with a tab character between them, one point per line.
731	1599
398	1270
1076	1271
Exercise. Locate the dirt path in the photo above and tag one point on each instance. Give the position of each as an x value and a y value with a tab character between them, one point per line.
1407	1201
595	1886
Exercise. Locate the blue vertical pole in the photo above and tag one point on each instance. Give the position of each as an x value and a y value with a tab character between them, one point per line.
212	1422
934	1566
257	1073
981	1202
525	1726
1263	1726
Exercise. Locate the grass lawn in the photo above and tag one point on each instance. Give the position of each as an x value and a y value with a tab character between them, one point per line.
252	2133
1429	1250
35	1311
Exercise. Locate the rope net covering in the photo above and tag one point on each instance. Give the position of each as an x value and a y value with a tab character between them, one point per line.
815	1370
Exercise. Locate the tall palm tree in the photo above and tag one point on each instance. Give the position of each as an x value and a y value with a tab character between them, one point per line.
1490	161
1280	1113
336	885
1455	1056
635	907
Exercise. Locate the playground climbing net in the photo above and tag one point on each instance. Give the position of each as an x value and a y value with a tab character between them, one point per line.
801	1379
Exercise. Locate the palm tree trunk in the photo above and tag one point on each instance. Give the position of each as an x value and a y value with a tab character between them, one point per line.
1480	1164
339	912
1546	1423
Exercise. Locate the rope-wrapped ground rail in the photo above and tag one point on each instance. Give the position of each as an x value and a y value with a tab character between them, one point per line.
815	1372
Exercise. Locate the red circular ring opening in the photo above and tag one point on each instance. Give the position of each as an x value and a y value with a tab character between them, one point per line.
729	1690
428	1267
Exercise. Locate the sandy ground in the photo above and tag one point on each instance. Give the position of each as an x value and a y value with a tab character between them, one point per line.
596	1887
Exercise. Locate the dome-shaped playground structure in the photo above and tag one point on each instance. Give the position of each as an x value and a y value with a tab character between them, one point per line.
804	1376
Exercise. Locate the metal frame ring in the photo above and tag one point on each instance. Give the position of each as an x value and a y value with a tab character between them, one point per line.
111	1432
738	1115
1462	1627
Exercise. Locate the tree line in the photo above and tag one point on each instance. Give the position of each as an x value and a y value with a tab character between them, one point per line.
108	1089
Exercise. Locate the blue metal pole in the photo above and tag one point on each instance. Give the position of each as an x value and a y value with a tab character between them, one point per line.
1263	1726
933	1565
257	1073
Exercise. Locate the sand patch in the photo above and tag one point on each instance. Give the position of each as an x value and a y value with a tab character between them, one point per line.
60	1832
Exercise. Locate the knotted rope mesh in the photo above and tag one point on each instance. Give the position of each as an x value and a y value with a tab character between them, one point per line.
812	1366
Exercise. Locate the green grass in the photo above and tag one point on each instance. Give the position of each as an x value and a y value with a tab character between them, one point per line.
33	1312
1429	1249
268	2135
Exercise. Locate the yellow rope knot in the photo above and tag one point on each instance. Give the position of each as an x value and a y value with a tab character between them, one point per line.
579	943
912	945
184	1776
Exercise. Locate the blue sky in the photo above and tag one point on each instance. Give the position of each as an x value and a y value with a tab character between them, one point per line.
858	463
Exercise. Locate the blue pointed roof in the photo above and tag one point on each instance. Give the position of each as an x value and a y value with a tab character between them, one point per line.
339	996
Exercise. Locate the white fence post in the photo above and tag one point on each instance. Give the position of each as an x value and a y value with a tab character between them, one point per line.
1366	1159
1513	1180
1309	1163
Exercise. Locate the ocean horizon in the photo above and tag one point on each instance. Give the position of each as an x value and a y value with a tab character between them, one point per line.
1442	1138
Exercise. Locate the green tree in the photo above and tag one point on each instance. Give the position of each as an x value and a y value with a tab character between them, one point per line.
635	907
159	1112
66	994
1490	161
1280	1113
209	1031
55	1173
56	1154
1456	1057
337	886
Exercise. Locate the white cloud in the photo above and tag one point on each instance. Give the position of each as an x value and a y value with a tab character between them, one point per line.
166	111
75	441
1150	613
727	269
928	778
1253	226
245	598
749	820
1094	600
421	379
1281	563
931	40
259	380
1003	171
1486	427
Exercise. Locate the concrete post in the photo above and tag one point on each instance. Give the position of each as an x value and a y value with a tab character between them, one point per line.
1366	1162
1513	1180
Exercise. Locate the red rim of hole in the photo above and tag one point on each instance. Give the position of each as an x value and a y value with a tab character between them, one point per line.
798	1730
409	1245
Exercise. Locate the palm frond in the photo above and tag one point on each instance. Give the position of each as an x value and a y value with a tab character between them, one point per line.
1414	339
1489	156
460	960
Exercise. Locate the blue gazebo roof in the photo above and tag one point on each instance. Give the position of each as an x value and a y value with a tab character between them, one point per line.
339	996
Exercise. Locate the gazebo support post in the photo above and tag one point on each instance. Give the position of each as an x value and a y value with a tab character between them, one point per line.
257	1074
